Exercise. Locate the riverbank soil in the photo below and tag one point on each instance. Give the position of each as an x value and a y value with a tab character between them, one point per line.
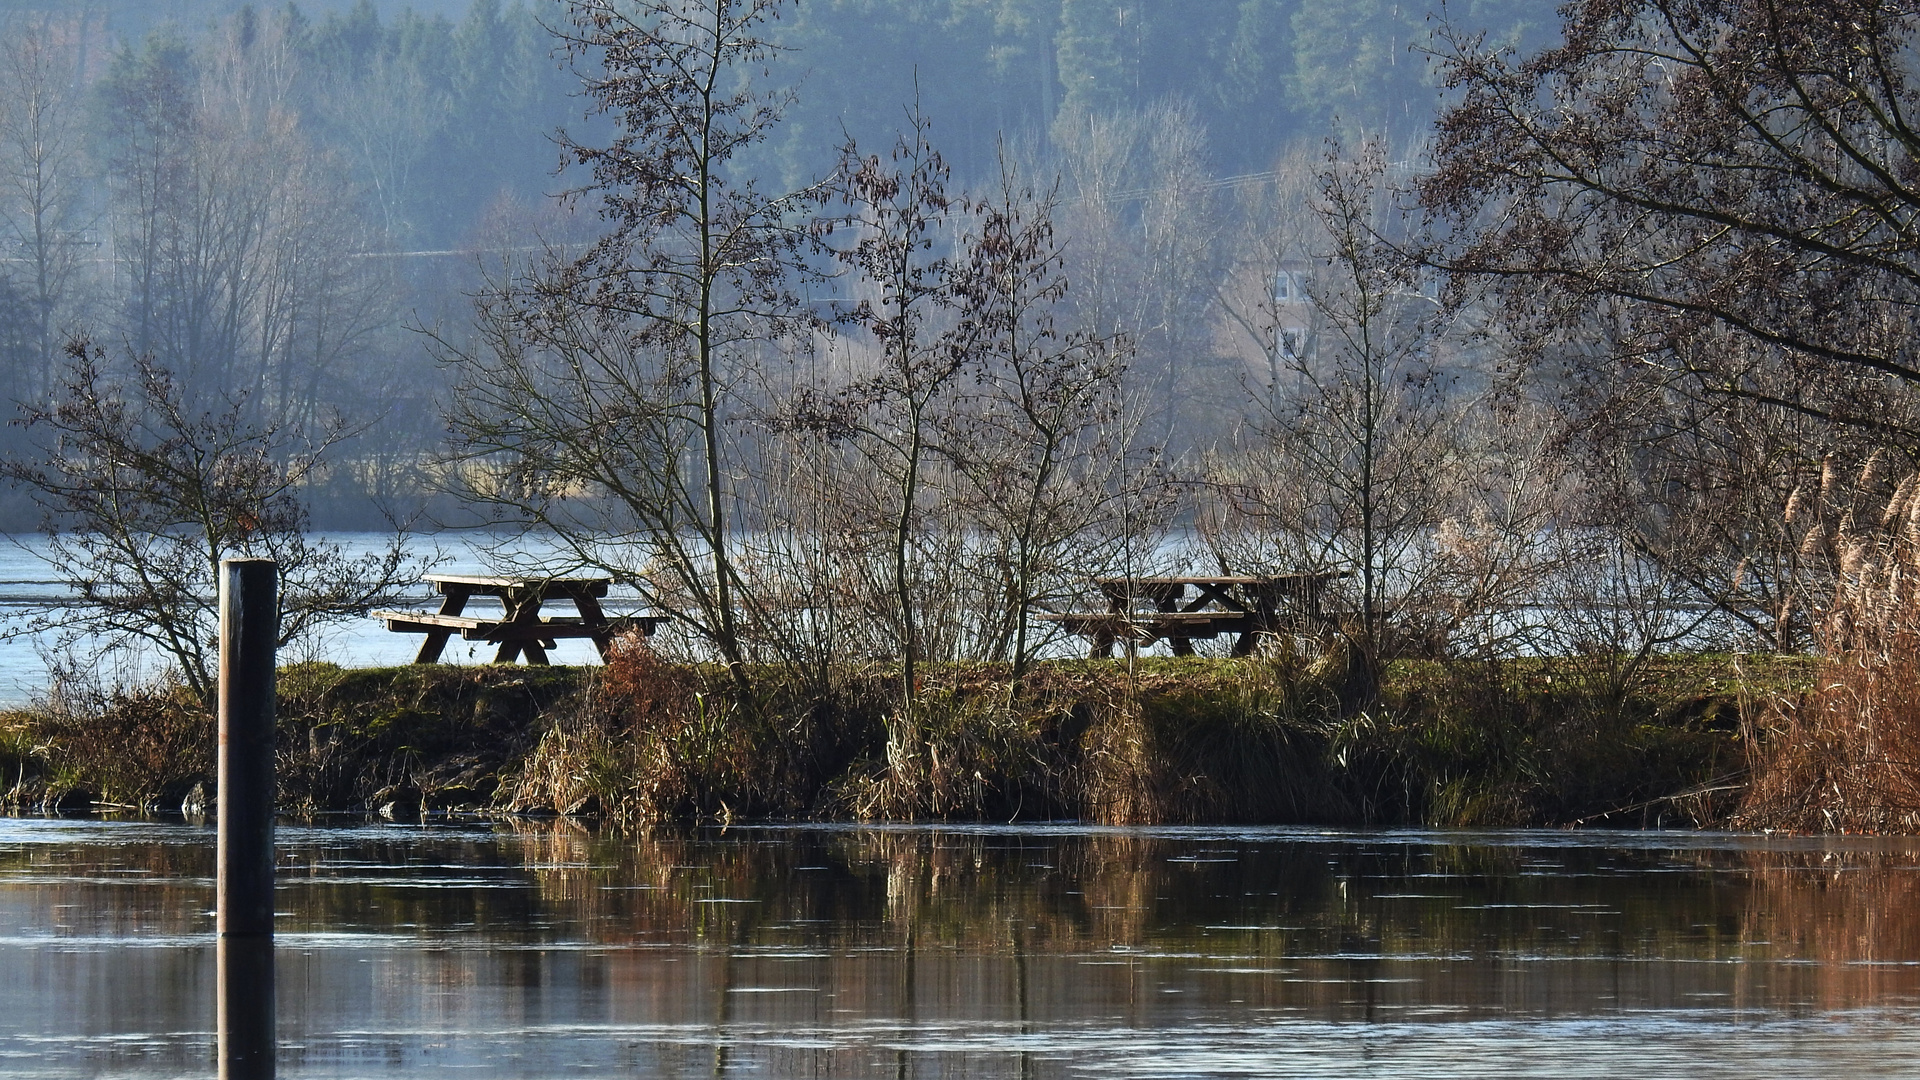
1598	741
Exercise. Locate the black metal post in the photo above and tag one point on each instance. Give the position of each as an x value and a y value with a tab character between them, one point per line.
249	629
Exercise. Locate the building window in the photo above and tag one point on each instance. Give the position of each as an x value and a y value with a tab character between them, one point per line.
1283	287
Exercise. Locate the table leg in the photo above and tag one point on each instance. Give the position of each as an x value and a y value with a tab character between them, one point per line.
430	649
1105	638
452	602
591	615
1265	618
1168	600
522	608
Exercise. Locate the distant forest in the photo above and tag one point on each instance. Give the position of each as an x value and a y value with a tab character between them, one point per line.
271	200
274	199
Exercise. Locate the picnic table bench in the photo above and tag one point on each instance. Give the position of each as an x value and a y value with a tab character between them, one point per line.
519	629
1220	604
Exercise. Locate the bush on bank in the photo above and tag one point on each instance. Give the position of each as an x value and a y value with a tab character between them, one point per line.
1539	742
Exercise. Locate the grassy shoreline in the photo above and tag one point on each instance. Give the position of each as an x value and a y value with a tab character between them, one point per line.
1591	741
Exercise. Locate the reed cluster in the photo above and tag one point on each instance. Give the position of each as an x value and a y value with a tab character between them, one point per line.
1845	754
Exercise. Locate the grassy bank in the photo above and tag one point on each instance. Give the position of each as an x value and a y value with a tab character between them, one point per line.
1537	742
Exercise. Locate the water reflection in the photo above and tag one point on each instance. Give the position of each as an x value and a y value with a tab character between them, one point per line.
244	1005
530	949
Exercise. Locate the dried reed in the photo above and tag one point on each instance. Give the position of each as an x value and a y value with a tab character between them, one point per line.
1845	755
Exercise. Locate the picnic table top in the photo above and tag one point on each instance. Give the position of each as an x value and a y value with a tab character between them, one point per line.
1116	618
1222	579
488	581
562	626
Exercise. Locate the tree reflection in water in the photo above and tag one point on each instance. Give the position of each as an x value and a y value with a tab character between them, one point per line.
517	949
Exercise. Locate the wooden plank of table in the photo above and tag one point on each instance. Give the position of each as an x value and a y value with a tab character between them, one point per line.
498	586
1078	622
498	580
414	622
1214	579
551	629
1227	579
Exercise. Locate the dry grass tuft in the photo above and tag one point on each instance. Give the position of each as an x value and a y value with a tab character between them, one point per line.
1845	755
138	748
631	751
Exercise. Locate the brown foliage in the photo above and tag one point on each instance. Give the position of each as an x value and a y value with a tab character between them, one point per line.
644	741
1846	754
136	748
653	742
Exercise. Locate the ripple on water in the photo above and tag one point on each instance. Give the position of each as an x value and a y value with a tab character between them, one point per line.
531	949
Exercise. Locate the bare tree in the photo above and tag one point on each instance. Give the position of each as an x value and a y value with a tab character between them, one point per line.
1716	167
144	496
899	216
43	180
1139	215
387	114
1097	160
604	382
1043	427
1694	215
1352	470
235	234
1178	229
1269	257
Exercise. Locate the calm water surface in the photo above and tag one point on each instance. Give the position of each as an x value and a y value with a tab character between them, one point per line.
546	950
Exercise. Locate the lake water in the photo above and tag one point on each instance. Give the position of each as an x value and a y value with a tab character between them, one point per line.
542	949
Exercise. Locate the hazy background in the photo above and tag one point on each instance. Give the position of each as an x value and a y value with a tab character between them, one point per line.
277	200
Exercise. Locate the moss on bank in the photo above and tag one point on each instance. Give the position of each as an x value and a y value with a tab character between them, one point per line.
1537	742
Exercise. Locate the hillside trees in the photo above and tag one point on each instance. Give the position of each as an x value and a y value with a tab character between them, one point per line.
438	118
43	187
1360	65
237	235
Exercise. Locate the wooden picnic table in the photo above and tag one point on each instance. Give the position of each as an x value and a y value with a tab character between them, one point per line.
1220	604
520	628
